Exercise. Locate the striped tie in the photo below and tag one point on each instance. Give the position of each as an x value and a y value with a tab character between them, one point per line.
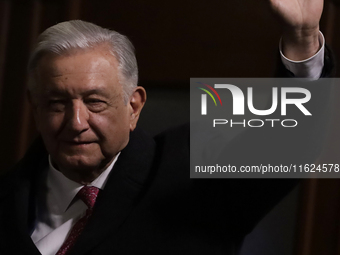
89	196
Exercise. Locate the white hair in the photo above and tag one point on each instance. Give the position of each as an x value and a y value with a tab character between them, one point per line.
71	35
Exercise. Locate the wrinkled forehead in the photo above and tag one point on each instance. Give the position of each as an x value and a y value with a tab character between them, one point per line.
78	63
77	73
91	60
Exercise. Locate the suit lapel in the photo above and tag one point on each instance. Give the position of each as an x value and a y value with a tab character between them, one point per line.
18	202
124	188
17	221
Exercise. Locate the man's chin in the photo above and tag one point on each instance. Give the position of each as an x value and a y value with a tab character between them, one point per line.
82	168
78	163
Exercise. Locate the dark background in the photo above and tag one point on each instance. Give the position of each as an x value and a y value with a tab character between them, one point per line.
176	40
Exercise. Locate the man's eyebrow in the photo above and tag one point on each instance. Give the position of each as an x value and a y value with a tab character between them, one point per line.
57	92
99	91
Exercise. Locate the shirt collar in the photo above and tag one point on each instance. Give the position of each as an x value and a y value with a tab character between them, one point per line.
63	190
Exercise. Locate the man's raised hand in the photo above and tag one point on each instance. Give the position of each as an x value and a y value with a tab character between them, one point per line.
300	21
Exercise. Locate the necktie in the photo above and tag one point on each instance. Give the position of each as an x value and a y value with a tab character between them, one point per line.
88	195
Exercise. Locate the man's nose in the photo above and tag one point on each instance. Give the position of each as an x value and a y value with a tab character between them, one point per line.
77	117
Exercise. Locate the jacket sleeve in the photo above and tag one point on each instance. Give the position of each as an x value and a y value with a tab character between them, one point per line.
239	204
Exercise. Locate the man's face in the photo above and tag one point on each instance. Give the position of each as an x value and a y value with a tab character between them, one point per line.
80	110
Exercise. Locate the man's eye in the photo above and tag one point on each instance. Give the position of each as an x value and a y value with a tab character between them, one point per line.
56	105
94	101
96	105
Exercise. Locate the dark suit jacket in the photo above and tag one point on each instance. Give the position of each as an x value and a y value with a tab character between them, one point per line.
150	205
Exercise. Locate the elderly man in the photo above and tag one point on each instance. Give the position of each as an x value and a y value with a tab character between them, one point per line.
94	184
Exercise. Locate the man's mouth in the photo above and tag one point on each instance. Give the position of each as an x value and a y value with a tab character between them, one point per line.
78	143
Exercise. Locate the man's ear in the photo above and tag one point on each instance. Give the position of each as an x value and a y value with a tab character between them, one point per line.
137	101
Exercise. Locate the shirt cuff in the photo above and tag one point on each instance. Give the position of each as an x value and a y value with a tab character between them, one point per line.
310	68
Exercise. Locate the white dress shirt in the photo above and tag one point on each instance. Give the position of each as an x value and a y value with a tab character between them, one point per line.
57	211
310	68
